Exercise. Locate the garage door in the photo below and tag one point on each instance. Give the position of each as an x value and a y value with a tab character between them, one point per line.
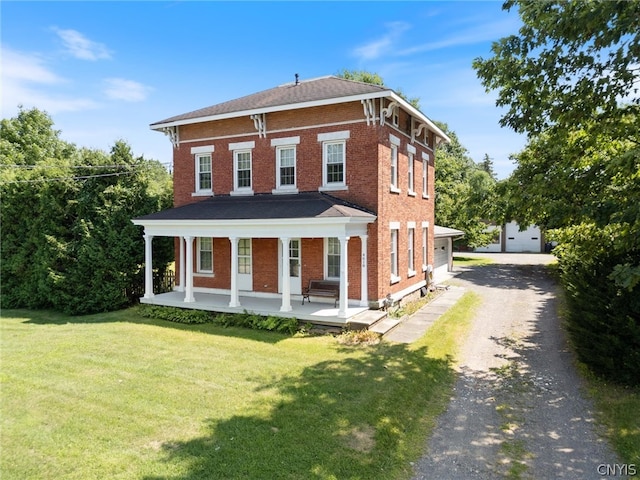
526	241
440	257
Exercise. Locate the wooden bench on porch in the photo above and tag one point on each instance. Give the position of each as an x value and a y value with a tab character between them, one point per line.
322	288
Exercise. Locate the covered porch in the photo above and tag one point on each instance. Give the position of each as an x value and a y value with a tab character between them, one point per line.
284	218
316	312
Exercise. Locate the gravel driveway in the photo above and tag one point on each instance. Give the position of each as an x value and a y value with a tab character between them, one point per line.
518	409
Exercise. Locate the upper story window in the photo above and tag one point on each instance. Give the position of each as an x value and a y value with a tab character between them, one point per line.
334	160
242	171
411	151
425	175
203	170
285	164
395	143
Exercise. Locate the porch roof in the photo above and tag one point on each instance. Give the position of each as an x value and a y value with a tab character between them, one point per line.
264	206
312	214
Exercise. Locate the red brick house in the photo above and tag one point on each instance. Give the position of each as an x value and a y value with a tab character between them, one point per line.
325	179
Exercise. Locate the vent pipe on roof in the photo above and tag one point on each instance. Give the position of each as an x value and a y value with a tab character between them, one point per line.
297	79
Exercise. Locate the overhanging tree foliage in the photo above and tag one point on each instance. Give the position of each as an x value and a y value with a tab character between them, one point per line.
570	79
67	238
465	192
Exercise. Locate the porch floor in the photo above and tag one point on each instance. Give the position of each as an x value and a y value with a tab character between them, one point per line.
315	312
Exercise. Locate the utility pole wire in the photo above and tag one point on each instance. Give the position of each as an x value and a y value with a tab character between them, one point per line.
80	177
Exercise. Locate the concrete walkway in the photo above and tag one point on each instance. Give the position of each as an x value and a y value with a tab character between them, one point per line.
417	324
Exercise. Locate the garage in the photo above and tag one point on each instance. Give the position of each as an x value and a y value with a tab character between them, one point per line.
529	240
443	251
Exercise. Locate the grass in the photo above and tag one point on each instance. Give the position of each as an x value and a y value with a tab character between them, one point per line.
120	396
618	409
461	261
617	406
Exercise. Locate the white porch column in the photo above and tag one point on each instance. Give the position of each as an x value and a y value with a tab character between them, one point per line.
188	297
148	266
182	266
286	281
235	299
344	275
364	279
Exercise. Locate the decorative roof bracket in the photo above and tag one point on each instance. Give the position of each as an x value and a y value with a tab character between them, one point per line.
388	111
415	132
369	110
174	136
260	122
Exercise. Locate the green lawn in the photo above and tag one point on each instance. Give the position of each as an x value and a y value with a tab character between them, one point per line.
459	260
119	396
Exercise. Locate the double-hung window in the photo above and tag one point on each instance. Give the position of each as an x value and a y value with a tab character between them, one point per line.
244	256
393	252
333	257
425	258
411	151
395	143
242	171
411	249
334	153
286	167
425	175
334	160
285	164
203	169
205	255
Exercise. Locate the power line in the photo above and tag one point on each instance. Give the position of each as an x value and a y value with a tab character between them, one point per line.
80	177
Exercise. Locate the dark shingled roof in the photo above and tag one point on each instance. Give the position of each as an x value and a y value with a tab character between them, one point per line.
288	94
264	206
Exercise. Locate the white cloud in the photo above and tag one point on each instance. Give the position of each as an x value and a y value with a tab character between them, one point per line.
479	33
127	90
27	81
19	66
378	47
81	47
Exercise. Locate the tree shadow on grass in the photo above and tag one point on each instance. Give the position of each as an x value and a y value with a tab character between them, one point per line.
365	416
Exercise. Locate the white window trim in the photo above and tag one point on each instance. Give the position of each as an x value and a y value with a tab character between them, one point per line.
411	249
243	255
425	175
333	186
411	174
326	258
199	269
395	147
197	152
242	190
394	227
425	242
280	189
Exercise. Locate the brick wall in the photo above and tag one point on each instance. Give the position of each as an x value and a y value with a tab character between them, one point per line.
368	175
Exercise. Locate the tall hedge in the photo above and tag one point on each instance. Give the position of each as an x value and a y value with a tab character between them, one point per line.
67	239
603	314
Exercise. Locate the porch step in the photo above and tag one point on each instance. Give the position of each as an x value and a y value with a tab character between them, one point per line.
369	319
385	325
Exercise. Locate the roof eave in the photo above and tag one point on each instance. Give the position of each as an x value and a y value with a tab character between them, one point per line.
417	113
275	108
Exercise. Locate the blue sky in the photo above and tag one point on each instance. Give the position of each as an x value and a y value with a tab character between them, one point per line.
105	70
